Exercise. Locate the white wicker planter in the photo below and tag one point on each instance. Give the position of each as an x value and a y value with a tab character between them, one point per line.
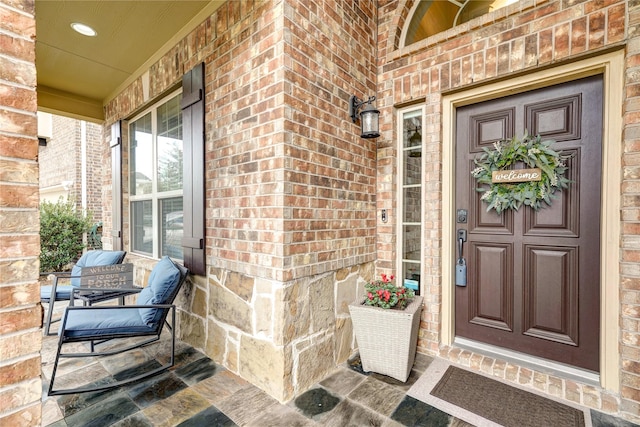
387	338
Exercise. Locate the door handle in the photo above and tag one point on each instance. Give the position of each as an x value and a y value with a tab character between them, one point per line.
461	264
462	237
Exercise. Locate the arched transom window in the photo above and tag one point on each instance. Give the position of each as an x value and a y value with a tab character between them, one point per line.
434	16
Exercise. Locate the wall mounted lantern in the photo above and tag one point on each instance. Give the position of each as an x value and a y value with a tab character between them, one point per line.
369	115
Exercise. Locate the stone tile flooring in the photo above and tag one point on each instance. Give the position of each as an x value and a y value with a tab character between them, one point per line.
198	392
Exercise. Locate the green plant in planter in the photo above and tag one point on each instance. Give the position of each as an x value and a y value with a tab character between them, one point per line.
385	294
61	231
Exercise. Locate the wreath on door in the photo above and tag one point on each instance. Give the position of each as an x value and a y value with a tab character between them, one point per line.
495	173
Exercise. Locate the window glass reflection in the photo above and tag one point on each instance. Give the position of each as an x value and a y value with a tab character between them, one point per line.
141	138
142	226
172	226
435	16
170	146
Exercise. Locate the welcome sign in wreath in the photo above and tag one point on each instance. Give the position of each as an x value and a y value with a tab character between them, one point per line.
511	188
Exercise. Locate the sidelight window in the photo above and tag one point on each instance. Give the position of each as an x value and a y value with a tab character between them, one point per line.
410	168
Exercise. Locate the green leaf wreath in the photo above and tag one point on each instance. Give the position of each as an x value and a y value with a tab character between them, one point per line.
533	152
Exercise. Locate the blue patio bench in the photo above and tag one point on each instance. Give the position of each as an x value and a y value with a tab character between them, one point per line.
62	292
120	324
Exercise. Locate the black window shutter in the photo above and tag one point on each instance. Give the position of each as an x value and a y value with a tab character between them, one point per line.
193	170
116	185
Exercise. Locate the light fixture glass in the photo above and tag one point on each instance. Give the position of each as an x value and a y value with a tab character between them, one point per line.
369	125
84	29
368	114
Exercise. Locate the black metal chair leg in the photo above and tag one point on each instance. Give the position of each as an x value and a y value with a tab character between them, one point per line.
55	367
120	383
47	324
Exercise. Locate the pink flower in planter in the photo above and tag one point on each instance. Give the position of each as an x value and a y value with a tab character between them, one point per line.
384	293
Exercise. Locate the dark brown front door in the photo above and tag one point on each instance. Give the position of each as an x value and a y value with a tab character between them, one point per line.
533	278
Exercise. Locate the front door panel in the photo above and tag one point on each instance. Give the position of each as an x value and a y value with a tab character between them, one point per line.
533	276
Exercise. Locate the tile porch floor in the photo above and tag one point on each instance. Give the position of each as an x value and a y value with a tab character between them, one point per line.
197	392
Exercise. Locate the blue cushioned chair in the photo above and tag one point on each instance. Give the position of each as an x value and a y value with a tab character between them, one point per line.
144	320
60	292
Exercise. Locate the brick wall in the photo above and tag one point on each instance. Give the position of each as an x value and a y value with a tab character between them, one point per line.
329	203
630	215
292	185
20	310
61	155
525	36
61	163
94	169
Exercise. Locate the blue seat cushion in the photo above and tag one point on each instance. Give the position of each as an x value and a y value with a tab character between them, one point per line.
92	259
103	322
163	280
63	292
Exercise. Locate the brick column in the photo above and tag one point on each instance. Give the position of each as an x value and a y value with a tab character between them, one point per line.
20	310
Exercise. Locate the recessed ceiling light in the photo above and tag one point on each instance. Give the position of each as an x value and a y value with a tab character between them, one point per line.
84	29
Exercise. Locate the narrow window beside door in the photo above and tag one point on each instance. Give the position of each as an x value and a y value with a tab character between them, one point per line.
410	197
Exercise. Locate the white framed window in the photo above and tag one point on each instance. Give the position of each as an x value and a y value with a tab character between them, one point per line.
156	182
410	196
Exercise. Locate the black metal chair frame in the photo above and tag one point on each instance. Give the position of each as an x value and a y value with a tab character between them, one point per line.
87	299
98	338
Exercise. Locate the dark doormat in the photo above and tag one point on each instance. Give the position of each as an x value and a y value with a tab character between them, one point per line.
501	403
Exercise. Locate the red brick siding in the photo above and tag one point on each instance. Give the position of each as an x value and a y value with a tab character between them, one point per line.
60	156
61	161
330	210
610	23
290	185
20	336
95	171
